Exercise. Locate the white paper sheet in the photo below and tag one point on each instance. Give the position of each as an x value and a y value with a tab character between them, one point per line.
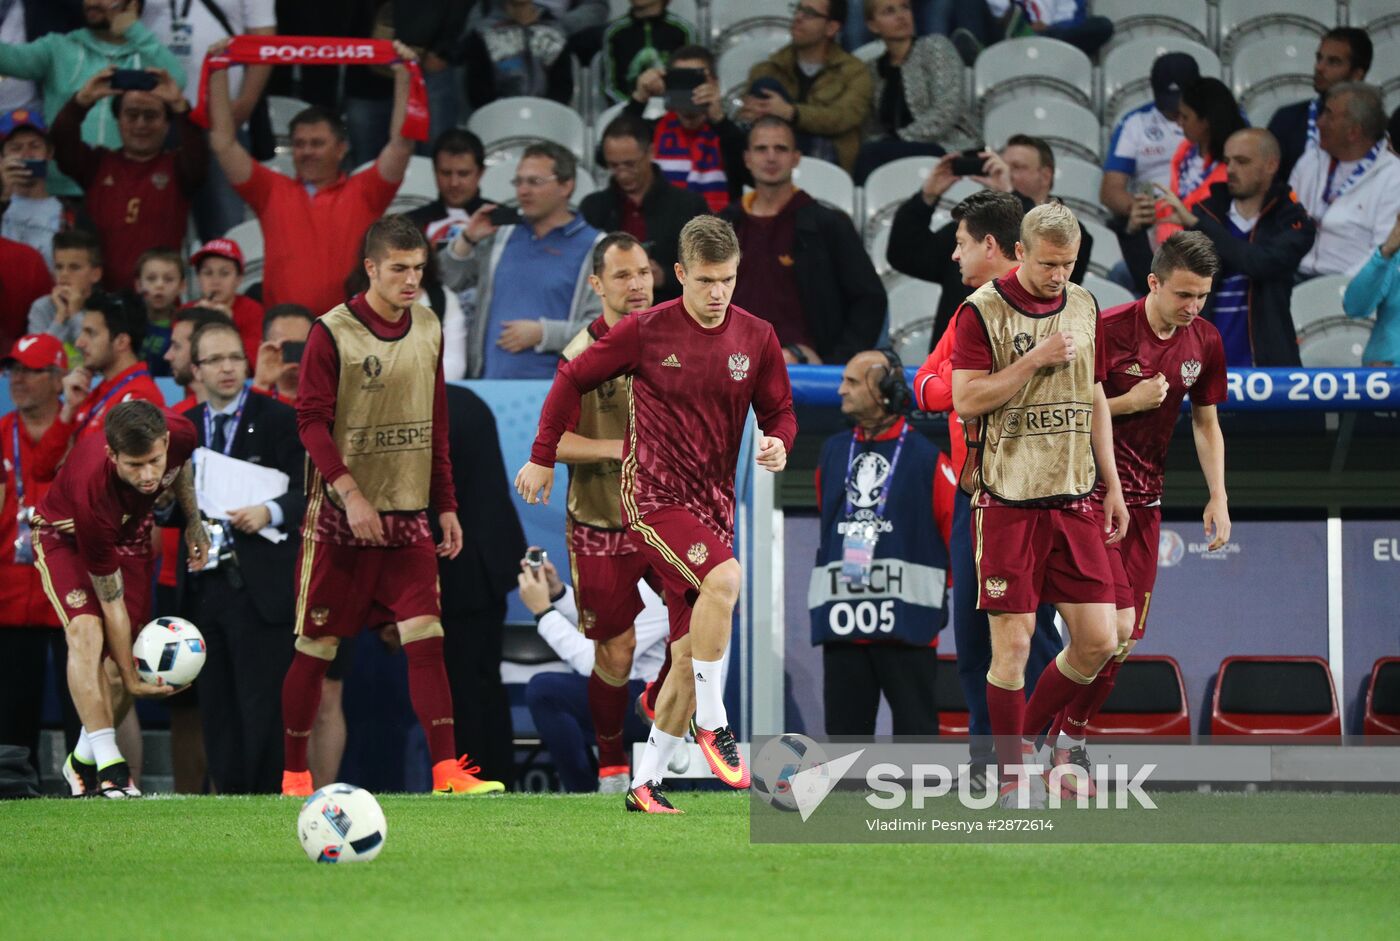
223	484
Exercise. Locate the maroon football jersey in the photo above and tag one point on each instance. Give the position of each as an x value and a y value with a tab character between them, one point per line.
691	392
1192	359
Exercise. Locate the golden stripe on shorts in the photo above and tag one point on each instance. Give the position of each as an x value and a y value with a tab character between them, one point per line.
1142	615
45	578
629	473
977	551
308	541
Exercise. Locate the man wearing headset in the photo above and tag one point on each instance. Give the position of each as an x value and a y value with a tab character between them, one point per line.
879	588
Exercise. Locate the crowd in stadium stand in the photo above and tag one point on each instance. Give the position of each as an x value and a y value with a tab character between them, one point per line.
131	172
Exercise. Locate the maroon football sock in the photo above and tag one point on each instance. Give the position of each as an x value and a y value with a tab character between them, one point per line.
607	704
1089	700
1005	709
301	697
431	696
1053	691
654	689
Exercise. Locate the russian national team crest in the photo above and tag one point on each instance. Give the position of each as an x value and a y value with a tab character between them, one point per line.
995	586
738	366
320	615
76	598
697	554
1190	372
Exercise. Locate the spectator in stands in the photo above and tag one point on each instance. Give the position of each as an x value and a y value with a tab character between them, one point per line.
77	271
218	268
31	214
138	196
1376	290
312	226
459	159
1139	156
641	39
518	49
699	147
558	701
1025	167
160	281
278	366
63	62
113	327
1350	182
29	630
816	86
911	110
1066	20
640	202
803	266
1208	115
26	21
1261	234
177	355
1343	55
531	277
24	280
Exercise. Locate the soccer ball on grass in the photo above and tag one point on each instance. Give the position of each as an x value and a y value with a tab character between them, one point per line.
341	823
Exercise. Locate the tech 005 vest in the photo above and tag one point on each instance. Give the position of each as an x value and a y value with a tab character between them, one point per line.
384	408
595	490
1037	446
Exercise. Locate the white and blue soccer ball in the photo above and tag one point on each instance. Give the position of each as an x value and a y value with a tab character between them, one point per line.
341	823
169	652
779	760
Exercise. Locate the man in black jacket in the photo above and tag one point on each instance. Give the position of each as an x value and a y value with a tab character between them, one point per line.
640	202
1024	168
1343	55
804	268
243	604
1261	234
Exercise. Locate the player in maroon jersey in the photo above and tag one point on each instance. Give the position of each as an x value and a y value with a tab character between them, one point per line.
92	545
697	365
1159	352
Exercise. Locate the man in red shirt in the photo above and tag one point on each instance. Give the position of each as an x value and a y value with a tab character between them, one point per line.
367	554
92	544
312	225
113	327
678	475
28	625
138	196
1159	351
24	278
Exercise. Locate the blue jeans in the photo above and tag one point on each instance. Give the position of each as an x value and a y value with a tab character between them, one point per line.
973	634
558	703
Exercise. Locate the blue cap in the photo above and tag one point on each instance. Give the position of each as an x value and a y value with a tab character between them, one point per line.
12	121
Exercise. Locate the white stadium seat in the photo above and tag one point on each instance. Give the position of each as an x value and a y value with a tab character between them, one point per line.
1045	67
1106	292
280	111
891	184
1385	72
1335	342
827	183
249	237
870	51
1241	22
953	195
1127	71
913	306
1105	253
734	64
1318	299
1272	71
736	21
877	245
1070	129
1134	19
514	122
1077	184
1380	18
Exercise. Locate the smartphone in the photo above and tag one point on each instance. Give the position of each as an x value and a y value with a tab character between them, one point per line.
133	80
535	558
292	350
680	85
968	163
1145	188
37	168
504	215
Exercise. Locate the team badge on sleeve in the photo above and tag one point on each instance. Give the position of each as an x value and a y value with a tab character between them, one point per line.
1190	372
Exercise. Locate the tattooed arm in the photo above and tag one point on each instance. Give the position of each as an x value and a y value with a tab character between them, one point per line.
196	536
116	626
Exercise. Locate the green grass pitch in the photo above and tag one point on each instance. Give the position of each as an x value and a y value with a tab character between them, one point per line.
533	866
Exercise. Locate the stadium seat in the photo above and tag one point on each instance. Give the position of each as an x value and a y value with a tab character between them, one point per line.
736	21
1070	129
913	307
1385	72
1127	71
1048	67
1275	696
249	237
951	197
1107	293
1077	184
877	244
1149	698
496	186
733	66
1380	18
1241	22
948	696
1134	19
1318	299
1338	341
890	185
870	51
514	122
827	182
419	186
1272	71
280	111
1382	714
1105	253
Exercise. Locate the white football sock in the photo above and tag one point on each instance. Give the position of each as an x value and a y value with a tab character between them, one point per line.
709	694
104	747
83	750
656	754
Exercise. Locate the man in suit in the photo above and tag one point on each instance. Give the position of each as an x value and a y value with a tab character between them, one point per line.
243	605
475	585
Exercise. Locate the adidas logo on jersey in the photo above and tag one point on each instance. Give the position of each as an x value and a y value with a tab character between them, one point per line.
672	360
1134	370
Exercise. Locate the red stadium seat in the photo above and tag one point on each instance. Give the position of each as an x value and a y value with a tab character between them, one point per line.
1149	698
952	705
1383	698
1275	696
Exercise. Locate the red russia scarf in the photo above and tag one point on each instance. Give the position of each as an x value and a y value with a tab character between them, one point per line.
318	50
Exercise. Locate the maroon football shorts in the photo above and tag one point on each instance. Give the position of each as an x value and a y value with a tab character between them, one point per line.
341	590
68	584
605	567
1139	554
682	551
1032	555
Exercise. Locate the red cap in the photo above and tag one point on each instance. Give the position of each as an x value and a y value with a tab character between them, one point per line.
219	248
38	351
